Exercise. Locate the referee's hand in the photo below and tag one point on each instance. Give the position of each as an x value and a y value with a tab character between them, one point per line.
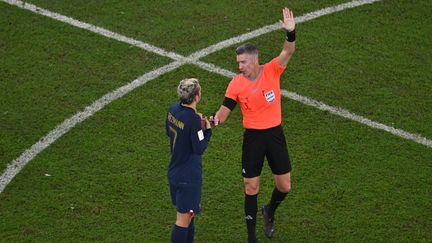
214	120
288	21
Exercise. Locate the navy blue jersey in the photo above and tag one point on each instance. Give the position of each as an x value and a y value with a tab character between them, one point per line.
188	142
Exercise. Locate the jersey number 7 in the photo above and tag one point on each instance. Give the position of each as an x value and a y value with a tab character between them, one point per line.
173	137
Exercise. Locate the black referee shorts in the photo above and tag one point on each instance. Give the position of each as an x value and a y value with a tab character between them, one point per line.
269	143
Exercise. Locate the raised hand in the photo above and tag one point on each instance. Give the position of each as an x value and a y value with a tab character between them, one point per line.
288	22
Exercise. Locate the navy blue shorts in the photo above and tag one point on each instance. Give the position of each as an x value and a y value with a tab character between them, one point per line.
186	197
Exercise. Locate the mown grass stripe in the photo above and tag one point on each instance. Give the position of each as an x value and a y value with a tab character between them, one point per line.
334	110
16	165
351	116
94	29
270	28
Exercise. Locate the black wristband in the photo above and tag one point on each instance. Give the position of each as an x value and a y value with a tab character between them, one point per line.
290	36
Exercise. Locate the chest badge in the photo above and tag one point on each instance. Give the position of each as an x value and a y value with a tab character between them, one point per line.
270	96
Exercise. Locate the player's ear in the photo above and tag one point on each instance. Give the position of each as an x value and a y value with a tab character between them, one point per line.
197	98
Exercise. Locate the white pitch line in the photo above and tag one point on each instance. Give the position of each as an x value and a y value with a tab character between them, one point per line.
214	69
334	110
196	55
94	29
16	165
354	117
270	28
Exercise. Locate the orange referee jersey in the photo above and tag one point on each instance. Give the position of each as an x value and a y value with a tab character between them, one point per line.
260	100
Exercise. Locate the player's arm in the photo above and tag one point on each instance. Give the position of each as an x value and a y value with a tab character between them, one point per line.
199	137
166	126
288	23
224	111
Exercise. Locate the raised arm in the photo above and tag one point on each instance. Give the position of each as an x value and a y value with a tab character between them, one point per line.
288	24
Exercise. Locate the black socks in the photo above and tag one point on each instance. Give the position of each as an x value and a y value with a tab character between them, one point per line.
276	199
251	208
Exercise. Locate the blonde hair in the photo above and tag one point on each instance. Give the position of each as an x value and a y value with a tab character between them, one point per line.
187	90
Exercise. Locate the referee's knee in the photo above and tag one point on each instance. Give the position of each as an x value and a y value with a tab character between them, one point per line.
251	188
284	187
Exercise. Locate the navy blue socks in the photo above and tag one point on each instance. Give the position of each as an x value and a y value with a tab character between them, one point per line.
179	234
183	235
191	232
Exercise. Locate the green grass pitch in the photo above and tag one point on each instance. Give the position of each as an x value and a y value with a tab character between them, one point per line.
105	179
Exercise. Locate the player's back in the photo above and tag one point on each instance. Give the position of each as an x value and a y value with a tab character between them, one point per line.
182	125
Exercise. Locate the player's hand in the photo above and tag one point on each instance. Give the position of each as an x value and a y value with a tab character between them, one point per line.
205	123
288	21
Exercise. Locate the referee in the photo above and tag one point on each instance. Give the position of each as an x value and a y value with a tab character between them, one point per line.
189	134
257	90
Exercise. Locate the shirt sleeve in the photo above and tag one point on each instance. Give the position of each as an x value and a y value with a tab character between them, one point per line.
166	125
231	91
275	67
199	137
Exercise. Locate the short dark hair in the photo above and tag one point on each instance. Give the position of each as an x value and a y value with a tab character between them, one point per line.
247	48
187	90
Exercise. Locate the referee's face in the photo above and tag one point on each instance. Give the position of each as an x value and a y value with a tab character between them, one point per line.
248	65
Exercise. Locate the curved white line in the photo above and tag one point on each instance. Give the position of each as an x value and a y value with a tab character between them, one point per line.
270	28
16	165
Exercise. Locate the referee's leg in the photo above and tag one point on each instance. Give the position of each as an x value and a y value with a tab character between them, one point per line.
281	190
283	186
283	182
251	206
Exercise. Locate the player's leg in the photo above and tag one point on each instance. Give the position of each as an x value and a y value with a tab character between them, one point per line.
184	219
180	229
187	199
191	231
252	162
